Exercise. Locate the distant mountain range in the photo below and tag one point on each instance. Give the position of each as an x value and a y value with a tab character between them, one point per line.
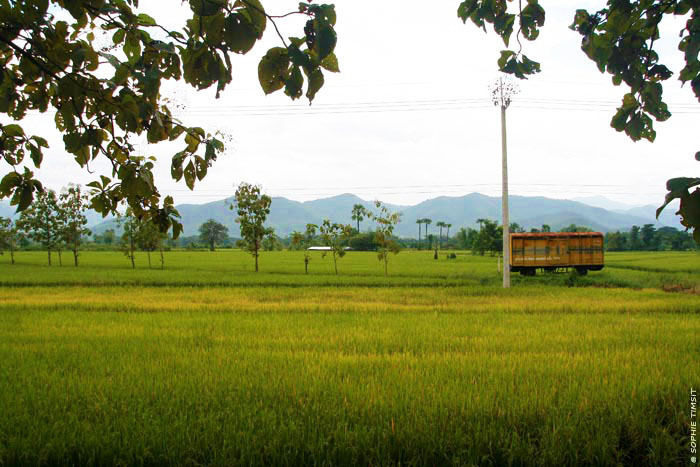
287	215
463	211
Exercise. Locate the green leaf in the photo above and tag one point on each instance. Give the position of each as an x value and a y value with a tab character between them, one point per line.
36	155
9	181
190	175
192	142
118	36
132	49
13	130
682	184
466	8
206	7
257	15
239	33
273	69
326	39
201	166
330	63
315	84
145	20
26	196
41	142
294	84
619	120
505	57
690	210
635	127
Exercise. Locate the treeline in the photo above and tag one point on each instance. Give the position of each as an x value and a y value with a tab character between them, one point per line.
649	238
57	223
489	238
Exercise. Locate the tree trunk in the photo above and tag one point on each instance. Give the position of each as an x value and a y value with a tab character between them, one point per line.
75	257
162	259
60	258
256	258
211	245
386	265
12	254
148	252
131	252
358	225
49	251
420	227
335	263
306	265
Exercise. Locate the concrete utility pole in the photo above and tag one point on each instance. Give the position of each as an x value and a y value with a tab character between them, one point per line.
502	93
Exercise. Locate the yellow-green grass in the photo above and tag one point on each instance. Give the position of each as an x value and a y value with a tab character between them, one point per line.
475	299
662	261
207	362
250	383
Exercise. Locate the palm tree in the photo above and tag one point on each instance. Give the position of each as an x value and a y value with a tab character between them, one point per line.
420	224
480	222
358	213
441	225
427	222
448	234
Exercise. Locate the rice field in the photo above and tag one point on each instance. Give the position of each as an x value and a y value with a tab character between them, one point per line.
207	363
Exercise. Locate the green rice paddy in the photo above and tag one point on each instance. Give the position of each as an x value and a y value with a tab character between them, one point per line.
207	363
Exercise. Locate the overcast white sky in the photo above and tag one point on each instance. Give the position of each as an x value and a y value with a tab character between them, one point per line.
409	118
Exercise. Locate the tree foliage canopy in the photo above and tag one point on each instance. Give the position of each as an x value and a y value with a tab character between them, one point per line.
105	97
212	232
621	40
384	235
252	208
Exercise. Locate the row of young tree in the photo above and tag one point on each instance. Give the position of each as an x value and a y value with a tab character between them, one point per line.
253	207
56	222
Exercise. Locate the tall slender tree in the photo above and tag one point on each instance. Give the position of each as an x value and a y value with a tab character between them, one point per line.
10	236
150	239
427	222
303	241
130	235
384	235
440	224
334	235
447	241
252	208
420	227
40	221
358	214
72	205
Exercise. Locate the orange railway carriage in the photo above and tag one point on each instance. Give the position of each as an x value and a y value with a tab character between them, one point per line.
582	251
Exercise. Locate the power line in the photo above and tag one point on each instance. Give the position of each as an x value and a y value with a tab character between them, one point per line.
569	105
400	187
